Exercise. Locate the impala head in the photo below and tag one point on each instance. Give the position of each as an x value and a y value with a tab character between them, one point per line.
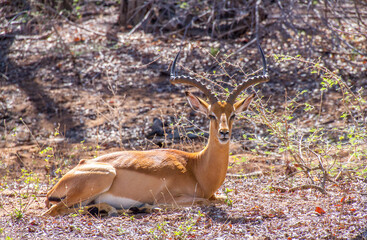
220	113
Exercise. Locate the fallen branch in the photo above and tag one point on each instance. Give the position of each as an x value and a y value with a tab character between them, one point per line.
26	37
253	174
302	187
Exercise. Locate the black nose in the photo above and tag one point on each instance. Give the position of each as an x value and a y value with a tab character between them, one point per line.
224	133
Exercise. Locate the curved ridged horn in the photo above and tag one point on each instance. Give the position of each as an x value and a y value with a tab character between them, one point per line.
250	81
191	81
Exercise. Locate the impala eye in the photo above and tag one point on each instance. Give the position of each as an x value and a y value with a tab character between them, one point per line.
212	117
232	117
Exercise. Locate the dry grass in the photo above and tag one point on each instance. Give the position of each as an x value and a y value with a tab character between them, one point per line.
68	92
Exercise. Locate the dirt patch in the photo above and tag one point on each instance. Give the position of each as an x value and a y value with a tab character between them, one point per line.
59	106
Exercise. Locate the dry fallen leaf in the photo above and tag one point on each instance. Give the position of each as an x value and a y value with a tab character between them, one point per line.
320	210
79	39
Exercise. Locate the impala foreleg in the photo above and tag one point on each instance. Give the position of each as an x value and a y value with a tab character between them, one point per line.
217	199
185	201
144	208
182	201
99	209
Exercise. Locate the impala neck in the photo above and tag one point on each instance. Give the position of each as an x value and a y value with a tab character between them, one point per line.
212	164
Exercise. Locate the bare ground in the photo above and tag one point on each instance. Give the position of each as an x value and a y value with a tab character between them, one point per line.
59	105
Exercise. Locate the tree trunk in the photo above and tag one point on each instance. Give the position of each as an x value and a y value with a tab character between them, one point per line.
59	5
132	12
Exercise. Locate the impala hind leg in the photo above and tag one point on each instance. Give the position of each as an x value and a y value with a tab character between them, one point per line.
79	187
61	209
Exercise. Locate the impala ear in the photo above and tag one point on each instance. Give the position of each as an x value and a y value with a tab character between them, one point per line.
243	104
198	104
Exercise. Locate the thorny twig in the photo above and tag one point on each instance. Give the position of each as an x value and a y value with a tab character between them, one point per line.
321	166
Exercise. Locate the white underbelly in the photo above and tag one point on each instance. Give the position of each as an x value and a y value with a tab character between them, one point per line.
117	202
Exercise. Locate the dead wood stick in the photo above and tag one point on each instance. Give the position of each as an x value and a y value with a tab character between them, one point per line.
25	37
302	187
140	23
295	173
68	21
252	174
